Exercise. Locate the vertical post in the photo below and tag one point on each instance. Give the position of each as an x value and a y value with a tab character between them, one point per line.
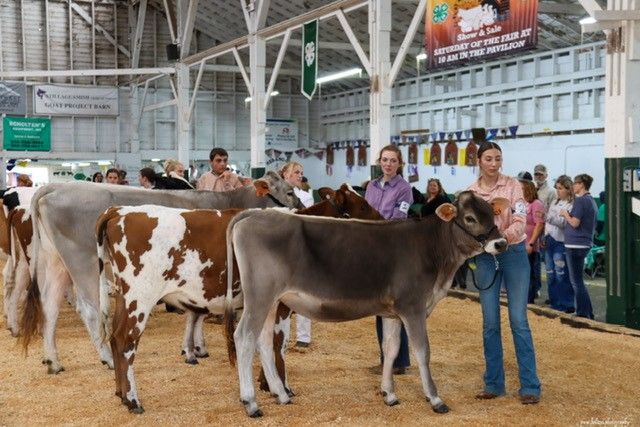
380	90
184	128
622	159
622	246
257	55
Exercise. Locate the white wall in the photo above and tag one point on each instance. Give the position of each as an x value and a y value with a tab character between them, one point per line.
565	154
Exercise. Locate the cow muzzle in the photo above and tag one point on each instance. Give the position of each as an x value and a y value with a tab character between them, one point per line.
496	246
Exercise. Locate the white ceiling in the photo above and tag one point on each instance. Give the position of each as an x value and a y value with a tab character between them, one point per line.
222	20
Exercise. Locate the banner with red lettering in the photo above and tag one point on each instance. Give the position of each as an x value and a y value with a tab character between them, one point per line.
459	32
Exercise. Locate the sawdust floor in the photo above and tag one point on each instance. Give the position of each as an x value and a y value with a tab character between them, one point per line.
587	377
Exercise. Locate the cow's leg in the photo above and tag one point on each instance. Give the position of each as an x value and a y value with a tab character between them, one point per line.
117	345
419	342
199	344
265	346
18	295
249	328
187	341
281	333
88	311
8	277
51	296
129	324
390	348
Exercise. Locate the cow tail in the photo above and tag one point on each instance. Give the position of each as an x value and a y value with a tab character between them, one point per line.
103	258
229	317
31	320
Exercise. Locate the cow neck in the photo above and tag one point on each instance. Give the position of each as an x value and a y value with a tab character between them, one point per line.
445	255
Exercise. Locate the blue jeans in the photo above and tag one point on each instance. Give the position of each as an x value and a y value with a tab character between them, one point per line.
575	263
514	269
560	289
402	359
535	279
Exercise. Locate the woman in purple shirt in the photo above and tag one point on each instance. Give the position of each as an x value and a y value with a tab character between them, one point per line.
391	196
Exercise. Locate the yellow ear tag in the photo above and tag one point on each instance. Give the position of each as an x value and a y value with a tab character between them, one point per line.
472	265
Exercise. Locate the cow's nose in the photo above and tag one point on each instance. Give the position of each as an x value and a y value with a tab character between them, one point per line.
501	245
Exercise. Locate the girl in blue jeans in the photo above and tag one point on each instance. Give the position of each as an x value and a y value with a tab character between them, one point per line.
512	269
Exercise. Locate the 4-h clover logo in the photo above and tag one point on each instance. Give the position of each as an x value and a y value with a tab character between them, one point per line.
440	13
309	53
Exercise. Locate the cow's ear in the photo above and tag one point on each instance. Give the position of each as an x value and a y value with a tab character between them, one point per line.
345	189
446	211
326	193
262	188
499	205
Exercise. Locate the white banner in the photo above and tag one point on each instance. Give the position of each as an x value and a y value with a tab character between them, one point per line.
281	135
75	100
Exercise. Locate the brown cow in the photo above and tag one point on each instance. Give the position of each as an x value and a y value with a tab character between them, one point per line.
337	272
172	254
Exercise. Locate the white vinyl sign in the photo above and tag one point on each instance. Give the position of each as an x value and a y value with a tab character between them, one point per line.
281	134
75	100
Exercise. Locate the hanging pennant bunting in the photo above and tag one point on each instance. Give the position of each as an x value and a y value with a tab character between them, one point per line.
288	155
471	153
451	153
350	160
309	58
442	135
319	155
513	130
436	155
459	135
467	134
492	134
362	154
329	165
413	162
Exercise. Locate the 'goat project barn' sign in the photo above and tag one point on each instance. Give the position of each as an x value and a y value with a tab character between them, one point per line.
75	100
464	31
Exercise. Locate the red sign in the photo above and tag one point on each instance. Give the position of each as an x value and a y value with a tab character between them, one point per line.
465	31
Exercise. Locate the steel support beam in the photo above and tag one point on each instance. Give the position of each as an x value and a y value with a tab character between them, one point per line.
78	9
97	72
276	68
137	36
323	12
380	90
187	28
184	126
406	43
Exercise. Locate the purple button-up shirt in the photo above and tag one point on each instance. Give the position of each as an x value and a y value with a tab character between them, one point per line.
392	199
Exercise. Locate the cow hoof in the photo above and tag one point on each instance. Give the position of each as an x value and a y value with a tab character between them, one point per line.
390	399
441	408
256	414
54	371
137	410
109	364
289	391
202	355
191	361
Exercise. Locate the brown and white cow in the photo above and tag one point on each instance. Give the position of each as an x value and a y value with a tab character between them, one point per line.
333	270
64	246
344	202
21	237
175	255
15	243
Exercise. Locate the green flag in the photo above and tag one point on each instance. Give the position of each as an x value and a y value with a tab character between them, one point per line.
309	58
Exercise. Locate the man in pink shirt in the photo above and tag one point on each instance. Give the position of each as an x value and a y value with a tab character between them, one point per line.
220	178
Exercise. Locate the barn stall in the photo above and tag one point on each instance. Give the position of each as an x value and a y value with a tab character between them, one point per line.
589	377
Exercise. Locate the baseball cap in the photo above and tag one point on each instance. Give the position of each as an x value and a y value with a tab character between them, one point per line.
524	175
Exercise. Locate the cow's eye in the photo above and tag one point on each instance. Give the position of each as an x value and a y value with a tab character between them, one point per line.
470	219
